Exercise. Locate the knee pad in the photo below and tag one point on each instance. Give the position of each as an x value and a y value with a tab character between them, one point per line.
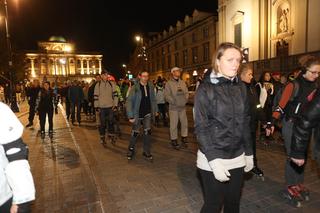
16	150
134	134
147	131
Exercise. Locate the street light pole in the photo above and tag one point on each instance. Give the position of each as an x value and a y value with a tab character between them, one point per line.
14	106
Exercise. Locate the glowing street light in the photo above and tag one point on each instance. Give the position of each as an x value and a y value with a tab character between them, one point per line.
124	66
138	38
195	73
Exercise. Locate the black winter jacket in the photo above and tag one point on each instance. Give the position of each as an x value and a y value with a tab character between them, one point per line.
222	118
302	130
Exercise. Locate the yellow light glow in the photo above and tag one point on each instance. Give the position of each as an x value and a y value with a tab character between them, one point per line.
138	38
68	48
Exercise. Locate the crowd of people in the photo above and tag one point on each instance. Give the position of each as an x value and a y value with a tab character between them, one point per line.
230	109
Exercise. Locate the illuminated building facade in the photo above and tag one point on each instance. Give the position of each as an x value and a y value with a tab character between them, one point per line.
57	59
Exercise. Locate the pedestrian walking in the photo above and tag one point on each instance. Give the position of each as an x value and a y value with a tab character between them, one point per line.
32	93
222	127
105	102
295	96
45	107
75	97
176	94
141	107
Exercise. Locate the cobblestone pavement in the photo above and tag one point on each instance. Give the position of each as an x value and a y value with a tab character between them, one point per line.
75	173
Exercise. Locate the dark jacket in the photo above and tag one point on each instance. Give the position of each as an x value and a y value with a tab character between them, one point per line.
45	100
75	94
222	118
134	99
32	94
302	130
91	92
255	109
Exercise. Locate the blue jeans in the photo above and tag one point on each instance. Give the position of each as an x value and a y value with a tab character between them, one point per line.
106	118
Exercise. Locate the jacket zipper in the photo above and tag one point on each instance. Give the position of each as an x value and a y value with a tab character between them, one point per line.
233	114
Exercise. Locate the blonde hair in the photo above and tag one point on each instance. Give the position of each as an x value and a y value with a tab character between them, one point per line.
220	51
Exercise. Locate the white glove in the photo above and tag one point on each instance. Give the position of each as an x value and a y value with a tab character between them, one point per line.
249	163
219	171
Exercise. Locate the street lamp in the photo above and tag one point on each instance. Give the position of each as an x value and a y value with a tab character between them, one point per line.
141	51
14	106
138	38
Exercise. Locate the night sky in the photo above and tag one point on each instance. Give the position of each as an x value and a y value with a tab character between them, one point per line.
96	25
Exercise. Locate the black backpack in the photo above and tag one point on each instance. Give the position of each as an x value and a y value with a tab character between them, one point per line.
278	95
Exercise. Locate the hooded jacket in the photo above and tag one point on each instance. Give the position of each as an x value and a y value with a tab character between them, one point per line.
222	118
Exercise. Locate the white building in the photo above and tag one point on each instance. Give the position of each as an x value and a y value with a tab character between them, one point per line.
57	59
270	28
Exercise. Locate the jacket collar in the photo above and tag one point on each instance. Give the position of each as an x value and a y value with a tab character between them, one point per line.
217	78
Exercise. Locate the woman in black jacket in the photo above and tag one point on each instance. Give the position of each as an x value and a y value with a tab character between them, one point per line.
45	106
222	126
302	130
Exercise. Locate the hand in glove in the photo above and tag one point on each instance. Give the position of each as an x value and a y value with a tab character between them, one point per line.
249	163
219	171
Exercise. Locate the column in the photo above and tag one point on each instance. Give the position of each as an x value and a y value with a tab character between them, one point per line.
100	66
94	68
63	67
33	73
56	70
82	71
88	67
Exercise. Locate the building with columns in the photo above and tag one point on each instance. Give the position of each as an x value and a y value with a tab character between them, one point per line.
57	60
277	31
189	45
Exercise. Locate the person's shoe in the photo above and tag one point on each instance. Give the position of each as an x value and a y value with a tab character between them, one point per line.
147	156
102	139
292	195
304	192
29	125
42	134
174	144
50	134
184	141
130	153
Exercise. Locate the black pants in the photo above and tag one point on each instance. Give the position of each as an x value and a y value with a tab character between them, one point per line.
32	111
5	208
254	147
85	105
106	120
73	111
68	107
162	110
42	116
22	208
218	194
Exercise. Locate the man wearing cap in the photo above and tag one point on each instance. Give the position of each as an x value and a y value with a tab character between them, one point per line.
176	94
105	102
